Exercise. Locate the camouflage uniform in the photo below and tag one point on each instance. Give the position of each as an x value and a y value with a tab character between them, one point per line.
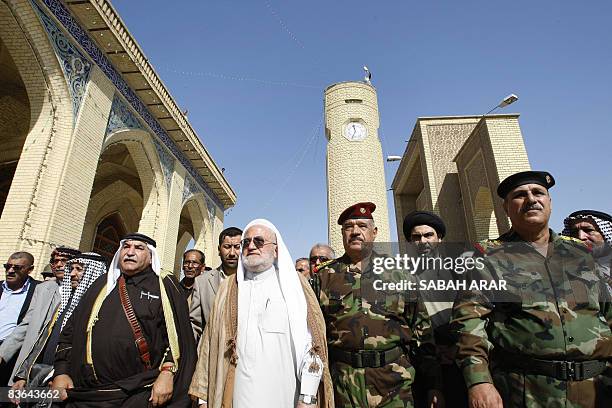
555	308
358	318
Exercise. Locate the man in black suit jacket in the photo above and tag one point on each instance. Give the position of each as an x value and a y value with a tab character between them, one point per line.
15	295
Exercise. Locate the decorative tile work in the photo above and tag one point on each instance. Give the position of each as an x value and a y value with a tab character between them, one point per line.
167	162
211	210
75	65
71	25
189	190
121	117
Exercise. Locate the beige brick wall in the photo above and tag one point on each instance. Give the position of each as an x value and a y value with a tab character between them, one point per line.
462	193
49	194
355	169
493	151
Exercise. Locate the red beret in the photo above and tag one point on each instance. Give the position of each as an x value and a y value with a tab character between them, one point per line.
359	210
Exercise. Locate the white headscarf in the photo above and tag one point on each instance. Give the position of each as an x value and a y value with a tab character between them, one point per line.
292	291
114	272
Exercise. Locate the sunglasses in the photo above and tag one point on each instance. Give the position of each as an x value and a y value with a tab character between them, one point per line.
259	242
16	268
314	259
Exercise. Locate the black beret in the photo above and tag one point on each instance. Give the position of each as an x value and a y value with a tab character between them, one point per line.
585	213
136	236
423	218
356	211
543	178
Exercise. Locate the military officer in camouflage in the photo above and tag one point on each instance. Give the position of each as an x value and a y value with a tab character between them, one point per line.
545	341
375	338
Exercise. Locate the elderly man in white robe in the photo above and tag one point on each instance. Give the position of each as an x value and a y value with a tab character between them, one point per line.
265	342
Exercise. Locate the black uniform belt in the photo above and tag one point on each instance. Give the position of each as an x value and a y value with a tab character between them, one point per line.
559	369
365	358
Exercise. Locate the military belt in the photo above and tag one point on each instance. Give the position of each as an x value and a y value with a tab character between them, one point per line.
559	369
365	358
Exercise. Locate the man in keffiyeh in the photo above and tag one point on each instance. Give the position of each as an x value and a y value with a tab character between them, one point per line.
264	344
38	355
129	343
595	228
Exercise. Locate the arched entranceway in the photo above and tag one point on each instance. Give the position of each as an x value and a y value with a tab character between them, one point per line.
129	184
116	202
14	120
191	231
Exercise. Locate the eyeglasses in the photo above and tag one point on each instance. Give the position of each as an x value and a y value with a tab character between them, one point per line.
58	261
16	268
259	242
194	263
314	259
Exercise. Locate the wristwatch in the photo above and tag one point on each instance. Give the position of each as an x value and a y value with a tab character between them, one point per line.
308	399
170	368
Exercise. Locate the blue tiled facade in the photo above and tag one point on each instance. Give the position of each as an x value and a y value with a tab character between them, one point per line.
75	65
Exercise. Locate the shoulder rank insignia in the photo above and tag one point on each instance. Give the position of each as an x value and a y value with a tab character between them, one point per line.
488	244
324	265
581	244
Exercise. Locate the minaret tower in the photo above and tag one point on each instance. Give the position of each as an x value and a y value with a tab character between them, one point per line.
355	166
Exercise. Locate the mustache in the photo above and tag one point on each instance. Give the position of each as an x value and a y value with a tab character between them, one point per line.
530	207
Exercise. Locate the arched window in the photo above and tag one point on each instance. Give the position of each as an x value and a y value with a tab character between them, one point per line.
108	234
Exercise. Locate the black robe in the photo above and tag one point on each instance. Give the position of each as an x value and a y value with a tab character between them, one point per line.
116	361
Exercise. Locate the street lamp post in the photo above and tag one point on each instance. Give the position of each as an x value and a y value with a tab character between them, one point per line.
510	99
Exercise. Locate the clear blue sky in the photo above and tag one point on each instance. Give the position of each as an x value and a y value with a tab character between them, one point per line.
252	75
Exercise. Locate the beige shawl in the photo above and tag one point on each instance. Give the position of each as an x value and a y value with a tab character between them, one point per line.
213	379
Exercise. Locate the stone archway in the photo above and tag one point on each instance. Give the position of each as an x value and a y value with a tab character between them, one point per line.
127	184
192	228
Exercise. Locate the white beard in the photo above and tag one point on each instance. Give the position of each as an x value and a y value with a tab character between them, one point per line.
258	264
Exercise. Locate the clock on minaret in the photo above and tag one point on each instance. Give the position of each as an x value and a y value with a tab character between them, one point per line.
355	165
355	131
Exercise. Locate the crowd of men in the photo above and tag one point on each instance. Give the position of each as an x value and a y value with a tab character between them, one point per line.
261	330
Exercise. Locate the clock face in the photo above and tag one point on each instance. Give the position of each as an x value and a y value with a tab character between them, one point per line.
355	131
